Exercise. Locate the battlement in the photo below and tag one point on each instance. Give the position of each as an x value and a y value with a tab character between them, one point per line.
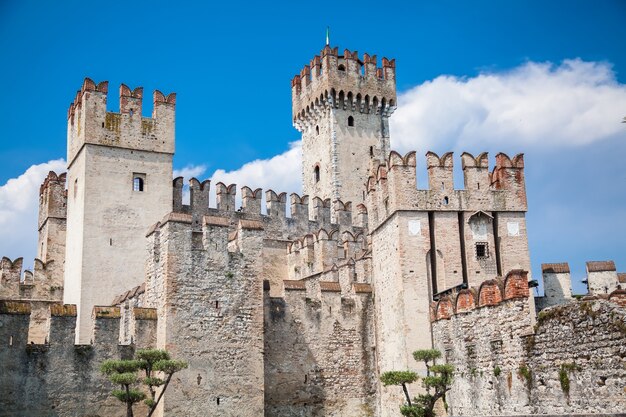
346	82
490	293
40	284
393	186
52	198
323	252
90	122
323	212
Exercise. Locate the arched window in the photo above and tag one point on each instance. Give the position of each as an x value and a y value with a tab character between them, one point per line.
137	184
316	173
350	121
317	130
341	67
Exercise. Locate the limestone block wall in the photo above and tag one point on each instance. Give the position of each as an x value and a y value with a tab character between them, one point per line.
209	298
557	285
342	106
59	378
402	292
571	362
481	333
601	277
107	214
320	351
584	344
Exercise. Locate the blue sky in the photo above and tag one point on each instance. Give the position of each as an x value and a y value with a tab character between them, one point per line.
231	64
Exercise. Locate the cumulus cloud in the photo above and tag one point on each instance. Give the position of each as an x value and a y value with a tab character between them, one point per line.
280	173
19	202
570	104
190	171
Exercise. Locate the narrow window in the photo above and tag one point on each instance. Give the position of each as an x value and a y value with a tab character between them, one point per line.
445	201
217	304
110	242
317	130
371	151
478	186
317	174
482	250
131	112
138	184
350	121
75	187
218	400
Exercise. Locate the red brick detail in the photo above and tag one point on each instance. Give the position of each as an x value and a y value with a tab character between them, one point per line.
621	277
618	297
600	266
465	301
489	293
444	309
516	284
560	268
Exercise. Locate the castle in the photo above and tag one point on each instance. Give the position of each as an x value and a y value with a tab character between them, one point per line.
296	308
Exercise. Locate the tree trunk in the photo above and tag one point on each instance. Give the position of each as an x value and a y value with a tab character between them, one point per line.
406	394
129	404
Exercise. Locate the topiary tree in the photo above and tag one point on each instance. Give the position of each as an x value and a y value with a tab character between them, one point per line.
158	369
436	383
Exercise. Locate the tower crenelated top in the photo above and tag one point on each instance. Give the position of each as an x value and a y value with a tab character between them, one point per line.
345	80
88	120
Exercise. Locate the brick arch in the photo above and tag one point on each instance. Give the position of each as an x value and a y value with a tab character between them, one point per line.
489	293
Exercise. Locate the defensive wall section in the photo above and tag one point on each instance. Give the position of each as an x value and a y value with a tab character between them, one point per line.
59	378
572	361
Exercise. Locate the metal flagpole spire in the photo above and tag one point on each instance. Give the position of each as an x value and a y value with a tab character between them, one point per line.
327	35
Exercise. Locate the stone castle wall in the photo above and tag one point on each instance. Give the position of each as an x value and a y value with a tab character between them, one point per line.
571	362
59	378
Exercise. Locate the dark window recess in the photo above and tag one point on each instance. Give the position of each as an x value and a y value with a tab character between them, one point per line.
317	130
482	250
371	151
350	121
218	400
138	184
317	174
341	67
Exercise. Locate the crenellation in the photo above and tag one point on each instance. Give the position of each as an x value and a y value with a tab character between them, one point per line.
297	315
276	204
251	200
226	196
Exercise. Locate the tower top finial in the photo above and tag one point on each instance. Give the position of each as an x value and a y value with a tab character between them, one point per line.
327	35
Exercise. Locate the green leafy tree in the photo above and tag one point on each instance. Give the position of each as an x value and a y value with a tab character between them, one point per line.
437	382
158	369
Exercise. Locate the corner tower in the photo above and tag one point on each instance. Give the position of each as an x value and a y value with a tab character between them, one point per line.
342	104
119	183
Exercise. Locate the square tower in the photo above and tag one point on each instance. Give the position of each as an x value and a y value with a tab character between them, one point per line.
342	104
119	184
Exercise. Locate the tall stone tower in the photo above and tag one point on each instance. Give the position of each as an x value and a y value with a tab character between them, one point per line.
119	183
342	104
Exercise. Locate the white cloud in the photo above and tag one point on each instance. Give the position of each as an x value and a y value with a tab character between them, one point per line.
19	202
280	173
190	171
536	104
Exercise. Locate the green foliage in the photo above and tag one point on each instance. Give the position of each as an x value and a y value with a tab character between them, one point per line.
125	374
110	367
152	355
398	377
497	371
170	366
564	371
153	382
426	355
564	380
524	372
132	396
436	383
411	411
126	378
